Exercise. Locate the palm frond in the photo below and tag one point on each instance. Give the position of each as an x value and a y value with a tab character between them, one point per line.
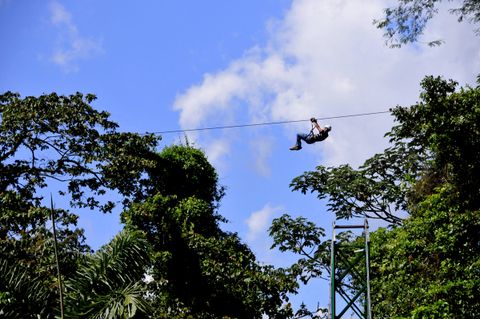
109	283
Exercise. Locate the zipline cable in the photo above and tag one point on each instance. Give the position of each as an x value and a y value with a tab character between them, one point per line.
264	123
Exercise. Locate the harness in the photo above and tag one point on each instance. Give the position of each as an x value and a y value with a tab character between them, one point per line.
316	137
311	134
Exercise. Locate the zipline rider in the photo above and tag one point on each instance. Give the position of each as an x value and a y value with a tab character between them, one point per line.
311	137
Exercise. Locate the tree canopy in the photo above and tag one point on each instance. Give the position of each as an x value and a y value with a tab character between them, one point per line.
59	140
436	141
172	260
405	22
428	268
63	138
425	188
198	269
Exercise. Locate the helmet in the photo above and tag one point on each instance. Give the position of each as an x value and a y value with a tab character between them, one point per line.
328	127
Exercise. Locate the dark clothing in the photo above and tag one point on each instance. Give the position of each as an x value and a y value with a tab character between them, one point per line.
311	138
321	136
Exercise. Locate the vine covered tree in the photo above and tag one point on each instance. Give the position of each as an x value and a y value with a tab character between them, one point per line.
172	234
199	269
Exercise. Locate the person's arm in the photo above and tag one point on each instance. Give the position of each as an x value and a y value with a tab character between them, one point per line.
315	124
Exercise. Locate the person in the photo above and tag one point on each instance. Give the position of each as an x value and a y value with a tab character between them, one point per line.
311	137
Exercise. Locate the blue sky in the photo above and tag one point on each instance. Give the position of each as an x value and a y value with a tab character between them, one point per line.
164	65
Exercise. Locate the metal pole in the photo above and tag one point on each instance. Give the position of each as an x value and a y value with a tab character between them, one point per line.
367	264
60	284
351	270
332	275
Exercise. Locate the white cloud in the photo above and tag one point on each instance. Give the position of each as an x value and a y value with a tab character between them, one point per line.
71	46
212	96
262	150
215	152
259	221
325	58
60	15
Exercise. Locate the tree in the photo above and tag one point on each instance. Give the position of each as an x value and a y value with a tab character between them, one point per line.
63	138
405	22
428	268
445	127
436	140
172	230
373	190
28	278
304	238
426	265
431	261
198	269
23	293
110	283
55	138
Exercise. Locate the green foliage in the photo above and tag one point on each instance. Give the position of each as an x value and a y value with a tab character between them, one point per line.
184	171
24	293
304	239
28	282
372	190
445	125
426	266
237	285
63	138
438	310
172	231
109	284
59	139
200	271
406	22
429	267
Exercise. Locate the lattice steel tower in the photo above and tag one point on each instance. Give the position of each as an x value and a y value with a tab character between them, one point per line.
355	268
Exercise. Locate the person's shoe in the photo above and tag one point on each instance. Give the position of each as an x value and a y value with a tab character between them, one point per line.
295	148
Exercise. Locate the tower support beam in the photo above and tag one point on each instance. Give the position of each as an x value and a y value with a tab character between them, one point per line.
355	268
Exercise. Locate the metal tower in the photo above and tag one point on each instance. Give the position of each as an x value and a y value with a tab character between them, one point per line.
355	267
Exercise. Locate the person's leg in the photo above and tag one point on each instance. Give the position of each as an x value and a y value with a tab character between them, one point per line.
298	145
